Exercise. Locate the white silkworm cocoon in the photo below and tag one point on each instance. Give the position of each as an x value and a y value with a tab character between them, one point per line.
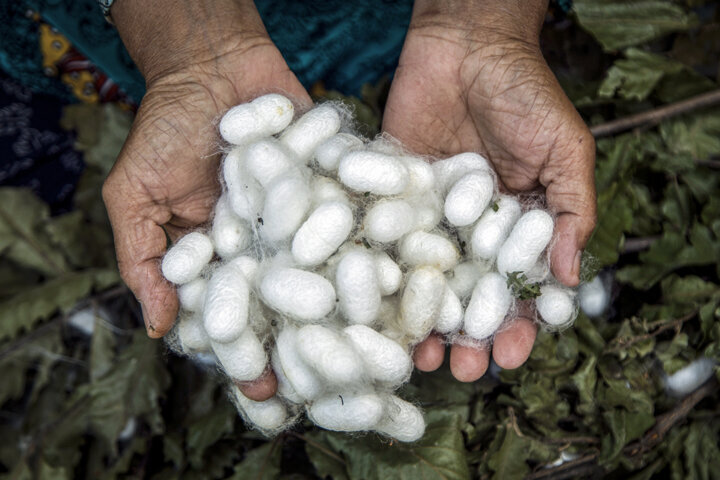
327	227
299	294
326	190
191	334
388	220
329	153
691	377
366	171
421	301
594	297
347	412
266	160
230	233
357	287
556	305
192	295
428	211
527	240
389	275
267	415
490	302
243	192
450	315
284	388
328	354
493	227
313	128
225	313
420	175
385	360
463	277
286	203
422	248
264	116
468	197
244	358
186	259
248	266
449	170
300	377
402	420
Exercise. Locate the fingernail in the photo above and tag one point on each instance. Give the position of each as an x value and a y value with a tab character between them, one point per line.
146	319
576	264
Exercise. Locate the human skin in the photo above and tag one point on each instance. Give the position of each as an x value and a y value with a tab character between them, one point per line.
460	86
471	77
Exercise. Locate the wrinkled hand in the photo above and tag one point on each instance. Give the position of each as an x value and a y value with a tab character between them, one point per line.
464	88
165	180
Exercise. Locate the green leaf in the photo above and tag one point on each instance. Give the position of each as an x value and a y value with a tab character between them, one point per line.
327	463
617	24
624	427
204	431
261	463
636	76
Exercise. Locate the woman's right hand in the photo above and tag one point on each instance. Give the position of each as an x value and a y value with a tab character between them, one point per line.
198	61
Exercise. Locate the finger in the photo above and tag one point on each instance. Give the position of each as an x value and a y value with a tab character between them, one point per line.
468	363
140	244
570	188
261	388
429	354
513	345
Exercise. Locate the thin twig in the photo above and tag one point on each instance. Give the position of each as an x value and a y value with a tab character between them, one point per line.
621	344
319	446
638	244
655	116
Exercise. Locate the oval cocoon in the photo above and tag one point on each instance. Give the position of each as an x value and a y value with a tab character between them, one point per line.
385	360
329	153
191	334
357	287
313	128
186	259
421	301
322	233
388	220
420	176
269	415
422	248
527	240
299	375
366	171
302	295
594	297
463	277
347	412
244	358
402	420
230	233
450	315
449	170
468	197
266	160
326	189
286	203
243	192
493	227
556	305
264	116
389	274
227	301
192	295
490	302
329	355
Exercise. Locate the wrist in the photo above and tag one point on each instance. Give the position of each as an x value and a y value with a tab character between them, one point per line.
165	37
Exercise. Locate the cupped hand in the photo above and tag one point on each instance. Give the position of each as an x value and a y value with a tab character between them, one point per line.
461	88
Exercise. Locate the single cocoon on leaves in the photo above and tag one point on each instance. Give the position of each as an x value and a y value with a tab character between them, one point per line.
422	248
366	171
402	420
327	227
347	412
556	305
468	197
450	315
357	287
191	334
490	302
494	226
286	203
266	160
304	382
244	194
385	360
192	295
388	220
389	274
527	240
186	259
225	313
269	415
329	153
302	295
313	128
594	297
264	116
449	170
421	300
244	358
230	233
329	355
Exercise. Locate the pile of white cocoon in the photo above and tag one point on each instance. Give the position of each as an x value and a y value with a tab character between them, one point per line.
330	257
